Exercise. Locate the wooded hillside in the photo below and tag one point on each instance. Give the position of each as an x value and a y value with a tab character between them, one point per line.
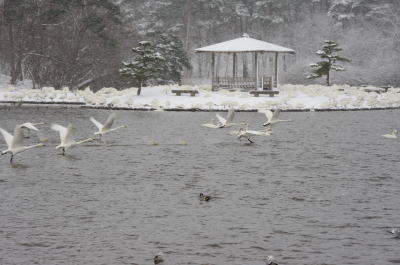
77	42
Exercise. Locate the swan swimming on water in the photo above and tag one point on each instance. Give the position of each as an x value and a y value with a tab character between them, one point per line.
392	135
14	143
158	258
395	232
106	128
271	260
272	117
66	137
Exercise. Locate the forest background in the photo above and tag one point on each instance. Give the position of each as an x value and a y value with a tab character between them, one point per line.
77	43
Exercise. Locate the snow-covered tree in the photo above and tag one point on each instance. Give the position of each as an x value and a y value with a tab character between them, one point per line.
329	54
176	58
146	64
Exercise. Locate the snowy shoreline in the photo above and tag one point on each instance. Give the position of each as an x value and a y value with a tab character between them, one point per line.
22	104
160	98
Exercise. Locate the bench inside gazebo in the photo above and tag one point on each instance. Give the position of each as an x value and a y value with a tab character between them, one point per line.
244	45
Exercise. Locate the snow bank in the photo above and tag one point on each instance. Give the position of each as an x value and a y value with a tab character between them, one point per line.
291	97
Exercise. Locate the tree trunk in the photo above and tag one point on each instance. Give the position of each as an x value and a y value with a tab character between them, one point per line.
189	5
140	88
13	73
328	73
327	78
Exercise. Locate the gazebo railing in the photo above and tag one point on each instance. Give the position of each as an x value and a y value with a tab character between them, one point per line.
241	83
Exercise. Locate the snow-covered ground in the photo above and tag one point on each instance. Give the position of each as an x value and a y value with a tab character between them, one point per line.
291	97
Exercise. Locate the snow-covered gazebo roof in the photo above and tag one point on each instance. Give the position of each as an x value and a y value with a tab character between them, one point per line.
244	44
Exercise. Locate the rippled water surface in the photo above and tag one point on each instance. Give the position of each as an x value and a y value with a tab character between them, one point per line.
322	190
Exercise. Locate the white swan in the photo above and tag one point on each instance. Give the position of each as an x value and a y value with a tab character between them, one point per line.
66	137
395	232
272	118
271	260
226	123
213	124
158	258
246	133
222	122
392	135
14	143
106	128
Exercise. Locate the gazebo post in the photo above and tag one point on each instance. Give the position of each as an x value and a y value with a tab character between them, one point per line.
276	71
234	65
256	69
212	71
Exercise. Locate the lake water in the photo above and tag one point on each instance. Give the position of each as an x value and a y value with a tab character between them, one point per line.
323	189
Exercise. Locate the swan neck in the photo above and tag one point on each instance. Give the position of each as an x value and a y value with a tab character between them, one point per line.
84	141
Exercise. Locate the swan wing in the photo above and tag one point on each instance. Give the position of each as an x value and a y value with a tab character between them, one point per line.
7	137
220	119
235	133
69	137
276	114
18	137
110	121
210	125
252	132
268	114
96	123
231	115
30	126
61	130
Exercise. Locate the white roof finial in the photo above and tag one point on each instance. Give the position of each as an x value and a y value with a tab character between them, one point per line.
245	35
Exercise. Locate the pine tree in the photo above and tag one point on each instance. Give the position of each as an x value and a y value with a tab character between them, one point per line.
146	64
322	68
176	58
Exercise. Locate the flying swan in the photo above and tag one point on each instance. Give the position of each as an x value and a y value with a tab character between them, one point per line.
272	117
246	133
222	122
14	143
106	128
66	137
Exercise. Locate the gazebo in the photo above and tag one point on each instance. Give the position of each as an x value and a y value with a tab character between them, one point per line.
242	45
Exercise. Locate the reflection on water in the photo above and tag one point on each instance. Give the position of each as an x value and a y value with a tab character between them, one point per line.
324	189
18	166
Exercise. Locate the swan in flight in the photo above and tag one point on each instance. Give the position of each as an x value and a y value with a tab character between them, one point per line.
246	133
212	124
222	122
228	122
106	128
392	135
272	117
66	137
14	143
